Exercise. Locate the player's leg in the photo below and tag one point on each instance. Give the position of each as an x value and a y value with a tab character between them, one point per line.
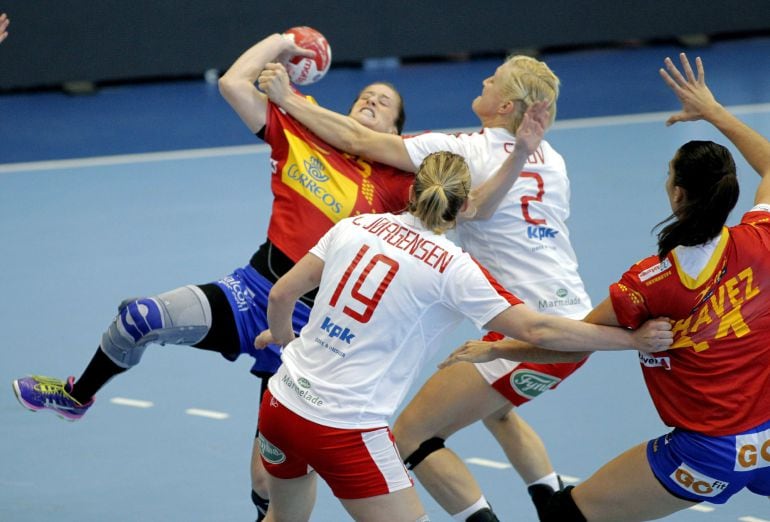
403	505
451	399
259	478
181	316
526	452
291	499
623	489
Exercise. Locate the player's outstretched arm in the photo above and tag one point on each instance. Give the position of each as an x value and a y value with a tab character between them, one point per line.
342	132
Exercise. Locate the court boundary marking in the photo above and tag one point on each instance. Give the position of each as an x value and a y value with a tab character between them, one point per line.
242	150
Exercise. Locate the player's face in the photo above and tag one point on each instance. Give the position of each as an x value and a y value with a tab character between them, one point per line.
491	97
377	107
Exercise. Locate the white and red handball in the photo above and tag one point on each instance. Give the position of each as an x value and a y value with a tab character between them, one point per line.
304	71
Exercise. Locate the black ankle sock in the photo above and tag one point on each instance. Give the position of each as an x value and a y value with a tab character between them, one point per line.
483	515
541	494
261	504
100	370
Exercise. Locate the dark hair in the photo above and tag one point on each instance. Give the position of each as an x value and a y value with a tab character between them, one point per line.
706	172
401	117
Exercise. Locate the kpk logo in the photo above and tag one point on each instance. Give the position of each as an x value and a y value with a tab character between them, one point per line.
335	331
530	384
541	233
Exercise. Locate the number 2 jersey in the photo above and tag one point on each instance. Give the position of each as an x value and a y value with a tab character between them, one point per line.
715	379
390	289
525	245
315	185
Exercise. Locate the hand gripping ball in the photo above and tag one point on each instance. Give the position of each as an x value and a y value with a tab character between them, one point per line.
304	71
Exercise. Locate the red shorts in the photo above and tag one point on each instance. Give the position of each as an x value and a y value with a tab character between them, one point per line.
521	382
355	463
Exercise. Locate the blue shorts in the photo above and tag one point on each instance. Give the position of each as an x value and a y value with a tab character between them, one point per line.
247	291
712	469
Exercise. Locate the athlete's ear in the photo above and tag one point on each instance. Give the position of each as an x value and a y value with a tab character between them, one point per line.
411	193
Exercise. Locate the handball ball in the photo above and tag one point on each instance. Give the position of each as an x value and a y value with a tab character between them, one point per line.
304	71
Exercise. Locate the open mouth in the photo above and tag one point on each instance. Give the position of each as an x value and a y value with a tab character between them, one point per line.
368	111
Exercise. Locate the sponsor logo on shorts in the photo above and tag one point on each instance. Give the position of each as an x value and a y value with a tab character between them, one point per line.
650	361
530	384
752	451
270	452
697	483
242	296
651	272
303	382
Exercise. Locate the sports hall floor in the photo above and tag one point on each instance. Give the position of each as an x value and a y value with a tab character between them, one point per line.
139	189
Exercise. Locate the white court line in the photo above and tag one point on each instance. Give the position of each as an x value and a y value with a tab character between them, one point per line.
134	403
701	508
753	519
496	464
487	463
217	415
126	159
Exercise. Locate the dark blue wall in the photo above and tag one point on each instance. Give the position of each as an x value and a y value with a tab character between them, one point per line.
55	41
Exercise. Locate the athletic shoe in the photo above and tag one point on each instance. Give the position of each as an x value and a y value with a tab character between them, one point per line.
45	393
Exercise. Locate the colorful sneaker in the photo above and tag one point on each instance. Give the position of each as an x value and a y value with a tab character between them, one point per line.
45	393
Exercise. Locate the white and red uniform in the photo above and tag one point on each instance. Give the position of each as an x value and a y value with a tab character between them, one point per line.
715	379
390	290
525	245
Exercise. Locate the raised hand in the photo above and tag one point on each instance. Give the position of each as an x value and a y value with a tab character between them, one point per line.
691	90
533	125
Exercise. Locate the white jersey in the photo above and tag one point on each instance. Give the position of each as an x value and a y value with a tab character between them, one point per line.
389	290
525	245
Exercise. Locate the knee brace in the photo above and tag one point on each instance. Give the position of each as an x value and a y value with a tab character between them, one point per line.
181	316
426	448
562	508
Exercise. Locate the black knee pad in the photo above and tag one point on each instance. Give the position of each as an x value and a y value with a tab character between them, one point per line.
425	449
562	508
261	505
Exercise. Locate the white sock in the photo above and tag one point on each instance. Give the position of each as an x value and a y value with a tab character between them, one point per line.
465	513
552	479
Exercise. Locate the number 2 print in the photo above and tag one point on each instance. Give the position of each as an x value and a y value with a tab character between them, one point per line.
370	302
526	199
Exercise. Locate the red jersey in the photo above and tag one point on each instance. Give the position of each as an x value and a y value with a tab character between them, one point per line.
715	379
315	185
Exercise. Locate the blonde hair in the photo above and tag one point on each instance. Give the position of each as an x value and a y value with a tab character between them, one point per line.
441	186
529	80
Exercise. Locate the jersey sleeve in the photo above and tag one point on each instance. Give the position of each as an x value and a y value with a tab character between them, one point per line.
321	248
422	145
628	299
476	294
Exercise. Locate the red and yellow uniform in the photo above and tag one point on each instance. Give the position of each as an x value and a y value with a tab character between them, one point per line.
715	378
315	185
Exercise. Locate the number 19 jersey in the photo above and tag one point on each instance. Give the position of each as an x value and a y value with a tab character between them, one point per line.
390	289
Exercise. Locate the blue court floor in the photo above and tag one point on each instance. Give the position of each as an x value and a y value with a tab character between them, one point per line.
139	189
